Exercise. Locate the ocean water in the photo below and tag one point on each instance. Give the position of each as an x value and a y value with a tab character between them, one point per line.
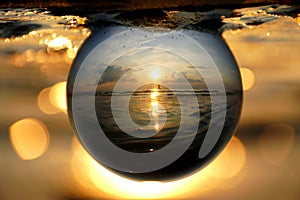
160	114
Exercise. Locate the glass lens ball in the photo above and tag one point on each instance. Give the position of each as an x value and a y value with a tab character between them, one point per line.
153	103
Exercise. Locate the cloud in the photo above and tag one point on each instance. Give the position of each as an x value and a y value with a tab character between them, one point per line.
112	74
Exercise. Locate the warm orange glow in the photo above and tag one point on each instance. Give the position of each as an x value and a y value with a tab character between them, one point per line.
29	55
154	107
19	60
58	96
276	142
29	138
93	176
230	162
248	78
157	127
44	103
59	43
41	57
72	52
154	94
297	19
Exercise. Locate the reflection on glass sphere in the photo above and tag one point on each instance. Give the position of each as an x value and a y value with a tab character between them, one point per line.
154	104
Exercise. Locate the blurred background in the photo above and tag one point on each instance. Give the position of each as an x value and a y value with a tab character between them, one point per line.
41	159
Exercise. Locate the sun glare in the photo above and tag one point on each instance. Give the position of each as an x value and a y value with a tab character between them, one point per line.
95	178
154	95
155	74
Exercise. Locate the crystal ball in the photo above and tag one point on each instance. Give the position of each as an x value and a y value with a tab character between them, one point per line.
154	104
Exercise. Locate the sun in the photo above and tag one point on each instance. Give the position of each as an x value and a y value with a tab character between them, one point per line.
155	74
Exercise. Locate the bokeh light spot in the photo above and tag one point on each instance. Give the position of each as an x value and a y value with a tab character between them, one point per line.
230	162
72	52
44	103
58	96
276	142
248	78
29	55
29	138
19	61
59	43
